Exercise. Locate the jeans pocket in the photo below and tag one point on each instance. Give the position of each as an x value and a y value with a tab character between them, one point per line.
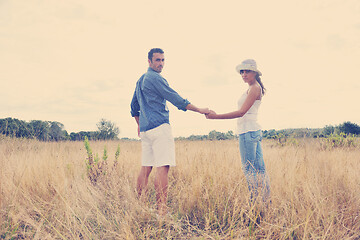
254	136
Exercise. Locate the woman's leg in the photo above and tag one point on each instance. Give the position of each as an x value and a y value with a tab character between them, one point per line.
263	179
253	164
248	157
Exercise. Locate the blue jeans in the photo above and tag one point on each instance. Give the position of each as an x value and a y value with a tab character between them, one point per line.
253	165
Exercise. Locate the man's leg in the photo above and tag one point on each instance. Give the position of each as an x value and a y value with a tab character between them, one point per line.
142	180
161	186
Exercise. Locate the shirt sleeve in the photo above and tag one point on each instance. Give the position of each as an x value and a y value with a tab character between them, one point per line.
135	107
162	86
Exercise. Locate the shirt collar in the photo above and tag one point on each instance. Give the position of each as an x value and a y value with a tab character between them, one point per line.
150	69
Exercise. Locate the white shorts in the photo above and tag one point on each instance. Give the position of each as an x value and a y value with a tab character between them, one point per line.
158	147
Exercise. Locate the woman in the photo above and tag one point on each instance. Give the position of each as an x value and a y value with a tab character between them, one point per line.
249	130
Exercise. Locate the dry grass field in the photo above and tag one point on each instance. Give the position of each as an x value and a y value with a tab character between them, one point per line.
45	193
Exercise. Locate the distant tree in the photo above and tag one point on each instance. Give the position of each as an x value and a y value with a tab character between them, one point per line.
195	137
91	135
349	128
15	128
328	130
40	129
23	130
229	135
212	135
107	130
3	126
75	136
80	136
66	135
300	133
10	127
316	134
271	134
215	135
56	132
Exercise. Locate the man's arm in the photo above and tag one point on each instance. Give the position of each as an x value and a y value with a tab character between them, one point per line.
162	87
135	108
137	121
194	108
172	96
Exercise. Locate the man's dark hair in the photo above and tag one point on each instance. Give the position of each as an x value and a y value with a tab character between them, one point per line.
154	50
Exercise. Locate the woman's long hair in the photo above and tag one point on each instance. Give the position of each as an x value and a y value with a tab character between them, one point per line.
258	79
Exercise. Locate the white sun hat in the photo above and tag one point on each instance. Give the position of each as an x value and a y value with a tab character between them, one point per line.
248	64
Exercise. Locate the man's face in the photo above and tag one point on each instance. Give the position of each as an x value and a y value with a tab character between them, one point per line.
157	62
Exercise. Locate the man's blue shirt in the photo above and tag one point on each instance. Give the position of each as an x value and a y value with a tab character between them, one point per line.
149	100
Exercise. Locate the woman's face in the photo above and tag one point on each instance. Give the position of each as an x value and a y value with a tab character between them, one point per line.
248	76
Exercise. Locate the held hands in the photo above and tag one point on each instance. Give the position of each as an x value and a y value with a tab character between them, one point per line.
204	110
211	115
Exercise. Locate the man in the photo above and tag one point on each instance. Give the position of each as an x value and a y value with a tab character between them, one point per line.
148	107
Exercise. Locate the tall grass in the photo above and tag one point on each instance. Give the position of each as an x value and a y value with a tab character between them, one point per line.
45	193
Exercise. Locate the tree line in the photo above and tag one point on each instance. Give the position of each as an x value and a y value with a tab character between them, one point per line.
54	131
107	130
346	128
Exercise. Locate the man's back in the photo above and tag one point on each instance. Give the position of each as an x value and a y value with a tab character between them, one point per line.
151	93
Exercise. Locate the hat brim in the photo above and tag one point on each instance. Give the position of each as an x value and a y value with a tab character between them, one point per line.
247	67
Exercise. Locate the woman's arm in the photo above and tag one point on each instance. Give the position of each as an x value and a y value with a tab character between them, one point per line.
254	93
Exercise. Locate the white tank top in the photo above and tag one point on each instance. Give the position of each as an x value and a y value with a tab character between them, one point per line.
248	122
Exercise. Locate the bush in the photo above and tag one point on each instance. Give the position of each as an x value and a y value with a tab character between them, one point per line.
96	168
338	141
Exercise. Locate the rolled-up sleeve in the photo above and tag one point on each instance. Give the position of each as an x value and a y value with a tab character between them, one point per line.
170	94
135	107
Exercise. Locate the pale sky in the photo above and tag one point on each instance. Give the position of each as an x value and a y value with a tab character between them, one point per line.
78	61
